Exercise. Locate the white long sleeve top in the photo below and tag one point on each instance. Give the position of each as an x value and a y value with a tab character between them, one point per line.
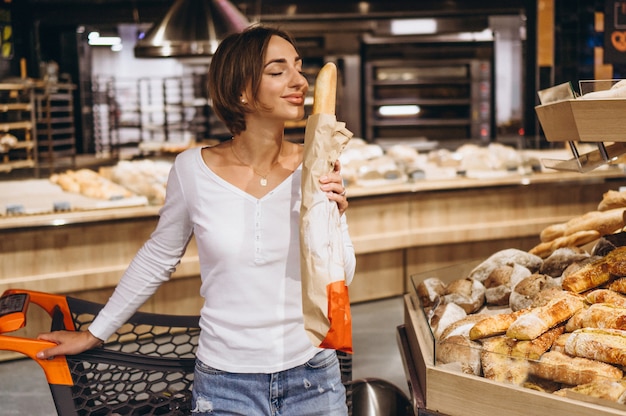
249	253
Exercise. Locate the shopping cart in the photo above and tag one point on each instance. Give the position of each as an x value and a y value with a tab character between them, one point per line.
146	368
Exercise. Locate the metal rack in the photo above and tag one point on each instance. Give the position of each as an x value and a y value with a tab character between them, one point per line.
18	140
56	131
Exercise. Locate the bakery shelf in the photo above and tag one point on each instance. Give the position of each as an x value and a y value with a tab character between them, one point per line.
17	109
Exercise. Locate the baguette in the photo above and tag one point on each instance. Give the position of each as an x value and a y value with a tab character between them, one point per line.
605	222
325	94
606	345
590	276
618	286
612	390
612	199
616	261
562	368
534	323
529	350
497	365
600	315
493	325
606	296
576	239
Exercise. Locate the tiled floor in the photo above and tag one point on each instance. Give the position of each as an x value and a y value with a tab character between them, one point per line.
25	392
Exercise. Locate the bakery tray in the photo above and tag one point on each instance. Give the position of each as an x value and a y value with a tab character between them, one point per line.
447	390
584	120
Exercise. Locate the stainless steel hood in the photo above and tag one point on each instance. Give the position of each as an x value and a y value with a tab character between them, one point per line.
191	28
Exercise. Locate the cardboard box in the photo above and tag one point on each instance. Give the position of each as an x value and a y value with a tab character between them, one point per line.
454	393
597	120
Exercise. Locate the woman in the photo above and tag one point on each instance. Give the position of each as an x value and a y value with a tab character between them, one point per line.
240	199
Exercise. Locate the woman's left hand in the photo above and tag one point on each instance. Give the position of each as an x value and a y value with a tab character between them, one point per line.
332	184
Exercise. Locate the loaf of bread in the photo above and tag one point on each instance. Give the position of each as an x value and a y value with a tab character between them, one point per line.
538	320
429	290
616	261
459	353
612	199
501	281
606	345
467	293
524	293
529	350
606	296
445	315
509	257
562	368
602	315
605	222
462	327
325	92
576	239
560	259
613	390
588	277
492	325
617	286
90	184
559	342
498	366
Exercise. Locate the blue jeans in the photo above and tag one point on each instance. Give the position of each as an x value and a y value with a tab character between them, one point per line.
311	389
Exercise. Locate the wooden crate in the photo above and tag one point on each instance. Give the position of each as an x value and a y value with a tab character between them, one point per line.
456	394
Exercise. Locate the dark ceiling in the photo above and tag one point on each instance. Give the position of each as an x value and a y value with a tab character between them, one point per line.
141	11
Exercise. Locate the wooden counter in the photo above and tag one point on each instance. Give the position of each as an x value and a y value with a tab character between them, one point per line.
397	231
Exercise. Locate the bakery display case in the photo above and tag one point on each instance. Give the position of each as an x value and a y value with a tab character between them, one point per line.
453	371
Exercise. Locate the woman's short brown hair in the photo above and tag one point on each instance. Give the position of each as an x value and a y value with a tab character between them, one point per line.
236	65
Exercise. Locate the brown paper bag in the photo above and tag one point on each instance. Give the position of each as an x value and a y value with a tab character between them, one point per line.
325	301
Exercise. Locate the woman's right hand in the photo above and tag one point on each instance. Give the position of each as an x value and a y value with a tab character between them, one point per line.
68	343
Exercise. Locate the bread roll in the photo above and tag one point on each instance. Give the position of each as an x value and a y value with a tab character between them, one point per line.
538	320
524	293
560	259
509	257
462	352
606	345
562	368
461	327
445	315
429	290
325	93
467	293
501	281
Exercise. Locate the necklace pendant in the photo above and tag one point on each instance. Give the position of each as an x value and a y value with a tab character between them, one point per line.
263	181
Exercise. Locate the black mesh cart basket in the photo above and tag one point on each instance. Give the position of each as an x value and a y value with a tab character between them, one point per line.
145	368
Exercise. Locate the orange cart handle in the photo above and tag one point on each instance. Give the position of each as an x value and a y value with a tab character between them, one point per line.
50	303
55	369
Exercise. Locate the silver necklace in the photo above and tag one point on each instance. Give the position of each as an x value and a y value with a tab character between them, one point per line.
263	180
